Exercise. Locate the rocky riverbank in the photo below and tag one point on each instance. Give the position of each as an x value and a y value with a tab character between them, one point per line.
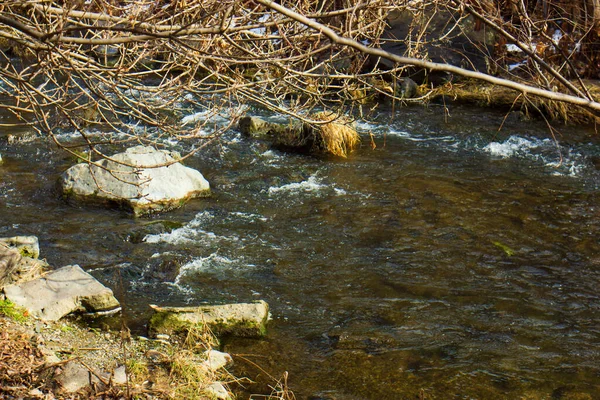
46	354
53	360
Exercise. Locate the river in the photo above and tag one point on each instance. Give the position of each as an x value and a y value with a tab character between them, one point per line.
453	260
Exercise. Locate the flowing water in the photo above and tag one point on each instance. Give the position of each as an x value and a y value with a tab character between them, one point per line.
452	261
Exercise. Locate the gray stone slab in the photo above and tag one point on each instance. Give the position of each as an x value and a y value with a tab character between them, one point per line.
61	292
243	319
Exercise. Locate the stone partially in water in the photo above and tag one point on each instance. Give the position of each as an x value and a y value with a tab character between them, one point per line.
332	134
256	127
142	179
61	292
27	246
165	268
14	267
244	319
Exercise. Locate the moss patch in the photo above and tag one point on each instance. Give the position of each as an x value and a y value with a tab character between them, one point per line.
10	310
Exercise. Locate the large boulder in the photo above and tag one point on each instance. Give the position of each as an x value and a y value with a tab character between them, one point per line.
244	319
142	179
61	292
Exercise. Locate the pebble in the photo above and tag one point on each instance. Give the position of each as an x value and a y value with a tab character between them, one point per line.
119	376
35	393
216	360
218	391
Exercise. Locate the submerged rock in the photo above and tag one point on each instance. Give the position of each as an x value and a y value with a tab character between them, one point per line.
244	319
142	179
61	292
138	234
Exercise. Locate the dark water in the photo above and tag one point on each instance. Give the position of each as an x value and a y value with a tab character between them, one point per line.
452	261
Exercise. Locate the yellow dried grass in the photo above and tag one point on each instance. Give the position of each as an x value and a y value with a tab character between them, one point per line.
337	135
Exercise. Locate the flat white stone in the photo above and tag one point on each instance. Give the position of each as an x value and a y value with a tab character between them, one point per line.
61	292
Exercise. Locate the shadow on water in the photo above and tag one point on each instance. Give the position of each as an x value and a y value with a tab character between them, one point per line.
452	261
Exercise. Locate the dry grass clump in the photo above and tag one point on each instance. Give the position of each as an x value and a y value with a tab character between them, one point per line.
336	134
21	364
186	369
328	133
281	390
178	370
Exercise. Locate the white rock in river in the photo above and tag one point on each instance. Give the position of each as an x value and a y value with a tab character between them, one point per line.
138	185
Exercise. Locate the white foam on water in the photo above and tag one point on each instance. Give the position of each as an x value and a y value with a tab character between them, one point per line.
445	139
513	48
196	232
557	36
312	185
381	130
183	235
195	117
514	145
365	126
213	262
211	116
271	154
399	133
564	162
262	31
189	233
572	164
250	216
514	66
